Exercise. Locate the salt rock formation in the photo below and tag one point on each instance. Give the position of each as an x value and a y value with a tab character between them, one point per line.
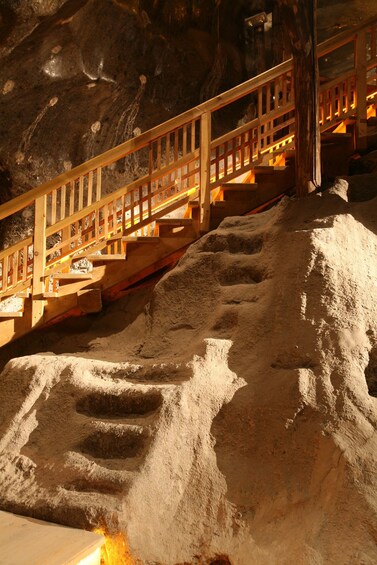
245	430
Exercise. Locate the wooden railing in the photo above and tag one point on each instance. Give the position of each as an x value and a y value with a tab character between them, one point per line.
182	160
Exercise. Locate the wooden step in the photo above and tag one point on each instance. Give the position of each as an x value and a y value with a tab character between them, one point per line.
233	186
133	239
238	192
331	137
141	248
72	276
193	211
106	258
50	295
174	222
18	314
267	170
171	227
235	208
23	293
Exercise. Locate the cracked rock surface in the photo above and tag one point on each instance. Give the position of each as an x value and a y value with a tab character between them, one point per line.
234	416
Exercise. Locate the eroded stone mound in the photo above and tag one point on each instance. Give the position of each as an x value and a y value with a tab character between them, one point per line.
261	454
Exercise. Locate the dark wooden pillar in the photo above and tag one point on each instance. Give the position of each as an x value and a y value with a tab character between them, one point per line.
298	18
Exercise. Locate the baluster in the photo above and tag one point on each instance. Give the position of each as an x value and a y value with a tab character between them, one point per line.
123	209
225	159
193	144
159	153
53	207
333	103
14	268
284	92
5	273
90	188
260	113
81	192
217	163
149	185
62	201
71	197
234	154
96	225
361	89
167	150
99	184
242	153
184	141
176	145
24	262
140	204
132	206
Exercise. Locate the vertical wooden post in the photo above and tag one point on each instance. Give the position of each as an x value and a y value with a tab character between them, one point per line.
299	21
361	89
205	171
39	260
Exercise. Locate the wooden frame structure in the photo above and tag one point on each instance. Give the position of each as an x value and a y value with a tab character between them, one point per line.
183	163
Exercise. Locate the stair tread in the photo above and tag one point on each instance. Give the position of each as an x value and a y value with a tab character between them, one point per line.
17	314
269	169
23	294
174	221
72	276
134	239
331	137
141	239
242	186
106	257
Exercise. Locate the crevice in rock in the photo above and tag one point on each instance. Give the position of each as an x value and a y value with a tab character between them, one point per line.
371	372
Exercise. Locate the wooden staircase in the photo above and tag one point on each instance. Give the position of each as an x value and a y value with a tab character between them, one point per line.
89	245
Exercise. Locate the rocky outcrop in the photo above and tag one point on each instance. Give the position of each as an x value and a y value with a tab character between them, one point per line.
245	427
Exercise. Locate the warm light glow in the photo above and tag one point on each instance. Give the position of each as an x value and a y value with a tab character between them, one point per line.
92	559
342	128
278	145
115	551
371	111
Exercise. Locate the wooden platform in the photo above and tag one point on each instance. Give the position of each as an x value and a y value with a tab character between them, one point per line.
26	541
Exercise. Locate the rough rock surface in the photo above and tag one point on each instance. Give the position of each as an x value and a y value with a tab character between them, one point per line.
245	427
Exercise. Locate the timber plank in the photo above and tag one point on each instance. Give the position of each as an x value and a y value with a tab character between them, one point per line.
26	541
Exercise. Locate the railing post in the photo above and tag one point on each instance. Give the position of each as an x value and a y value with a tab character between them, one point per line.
205	170
361	89
39	260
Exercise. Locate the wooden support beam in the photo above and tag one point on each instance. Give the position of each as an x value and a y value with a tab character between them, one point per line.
299	21
39	261
205	171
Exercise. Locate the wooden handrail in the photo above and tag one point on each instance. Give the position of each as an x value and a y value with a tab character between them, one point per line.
135	144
